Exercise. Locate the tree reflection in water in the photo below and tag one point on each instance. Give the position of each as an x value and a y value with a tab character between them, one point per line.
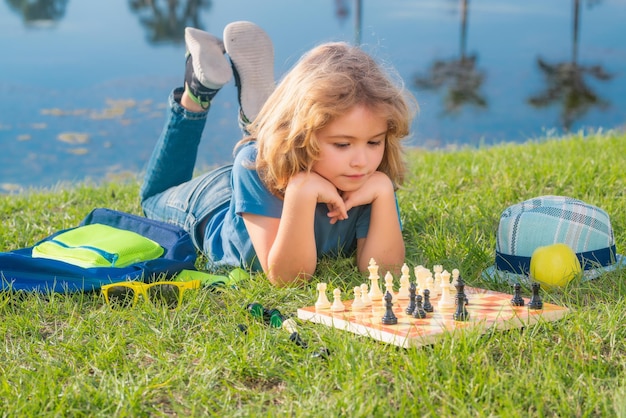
37	12
165	21
565	82
460	75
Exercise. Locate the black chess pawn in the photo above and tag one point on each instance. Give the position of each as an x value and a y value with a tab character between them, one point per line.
389	318
411	306
461	313
428	307
535	301
517	300
419	311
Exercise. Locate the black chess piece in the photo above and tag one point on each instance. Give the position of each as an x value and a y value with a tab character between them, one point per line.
517	300
389	318
419	311
535	300
411	306
428	307
461	313
460	291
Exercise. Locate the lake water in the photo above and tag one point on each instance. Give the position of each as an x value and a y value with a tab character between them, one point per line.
84	82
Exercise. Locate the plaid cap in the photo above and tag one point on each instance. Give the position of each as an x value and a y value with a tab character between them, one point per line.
547	220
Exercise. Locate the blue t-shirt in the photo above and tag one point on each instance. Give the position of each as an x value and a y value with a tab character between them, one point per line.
226	238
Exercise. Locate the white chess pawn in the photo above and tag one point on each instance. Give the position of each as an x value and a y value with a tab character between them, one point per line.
405	282
455	277
337	305
375	293
420	279
389	286
445	280
365	297
436	290
322	299
357	303
429	283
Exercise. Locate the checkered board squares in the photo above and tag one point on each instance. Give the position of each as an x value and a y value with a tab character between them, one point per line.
487	309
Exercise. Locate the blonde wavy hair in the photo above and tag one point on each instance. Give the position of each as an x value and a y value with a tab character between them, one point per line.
326	83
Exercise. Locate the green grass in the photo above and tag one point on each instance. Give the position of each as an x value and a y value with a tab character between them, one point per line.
70	355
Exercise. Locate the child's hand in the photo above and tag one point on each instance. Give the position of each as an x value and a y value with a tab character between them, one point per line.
336	213
378	184
323	191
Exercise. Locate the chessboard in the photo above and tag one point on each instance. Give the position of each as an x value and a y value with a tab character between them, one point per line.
484	310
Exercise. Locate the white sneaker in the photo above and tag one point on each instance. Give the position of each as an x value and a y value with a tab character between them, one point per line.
251	53
207	69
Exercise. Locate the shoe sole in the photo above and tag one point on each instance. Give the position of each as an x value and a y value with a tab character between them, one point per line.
252	54
210	66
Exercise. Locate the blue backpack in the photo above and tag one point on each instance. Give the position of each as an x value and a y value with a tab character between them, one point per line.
19	270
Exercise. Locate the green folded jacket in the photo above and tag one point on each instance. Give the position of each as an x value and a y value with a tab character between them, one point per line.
98	245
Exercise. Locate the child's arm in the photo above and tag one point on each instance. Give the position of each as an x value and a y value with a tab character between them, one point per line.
286	247
384	242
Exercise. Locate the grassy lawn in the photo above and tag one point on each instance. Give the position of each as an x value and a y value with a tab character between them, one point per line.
70	355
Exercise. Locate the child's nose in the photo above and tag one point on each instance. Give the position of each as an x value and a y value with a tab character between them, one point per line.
359	157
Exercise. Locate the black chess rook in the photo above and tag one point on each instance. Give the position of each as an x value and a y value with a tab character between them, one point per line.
517	300
535	301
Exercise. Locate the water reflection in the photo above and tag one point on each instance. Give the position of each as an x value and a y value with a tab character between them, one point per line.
565	81
460	75
478	80
165	20
35	12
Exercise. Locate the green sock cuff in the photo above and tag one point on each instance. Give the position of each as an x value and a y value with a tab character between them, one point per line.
205	105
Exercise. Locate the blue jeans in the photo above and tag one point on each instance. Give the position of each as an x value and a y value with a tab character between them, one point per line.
169	193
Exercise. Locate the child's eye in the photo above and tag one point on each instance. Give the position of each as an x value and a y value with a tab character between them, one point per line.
376	142
342	144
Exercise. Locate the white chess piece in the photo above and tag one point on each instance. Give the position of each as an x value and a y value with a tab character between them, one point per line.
455	277
429	283
365	297
436	290
416	270
337	305
358	302
290	326
420	278
375	292
438	268
322	299
445	280
405	282
389	286
446	300
416	273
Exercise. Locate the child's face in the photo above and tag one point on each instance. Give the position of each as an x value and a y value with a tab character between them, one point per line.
351	148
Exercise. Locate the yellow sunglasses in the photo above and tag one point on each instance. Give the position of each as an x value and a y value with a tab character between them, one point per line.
164	293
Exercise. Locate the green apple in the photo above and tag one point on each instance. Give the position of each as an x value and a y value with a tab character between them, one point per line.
554	265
